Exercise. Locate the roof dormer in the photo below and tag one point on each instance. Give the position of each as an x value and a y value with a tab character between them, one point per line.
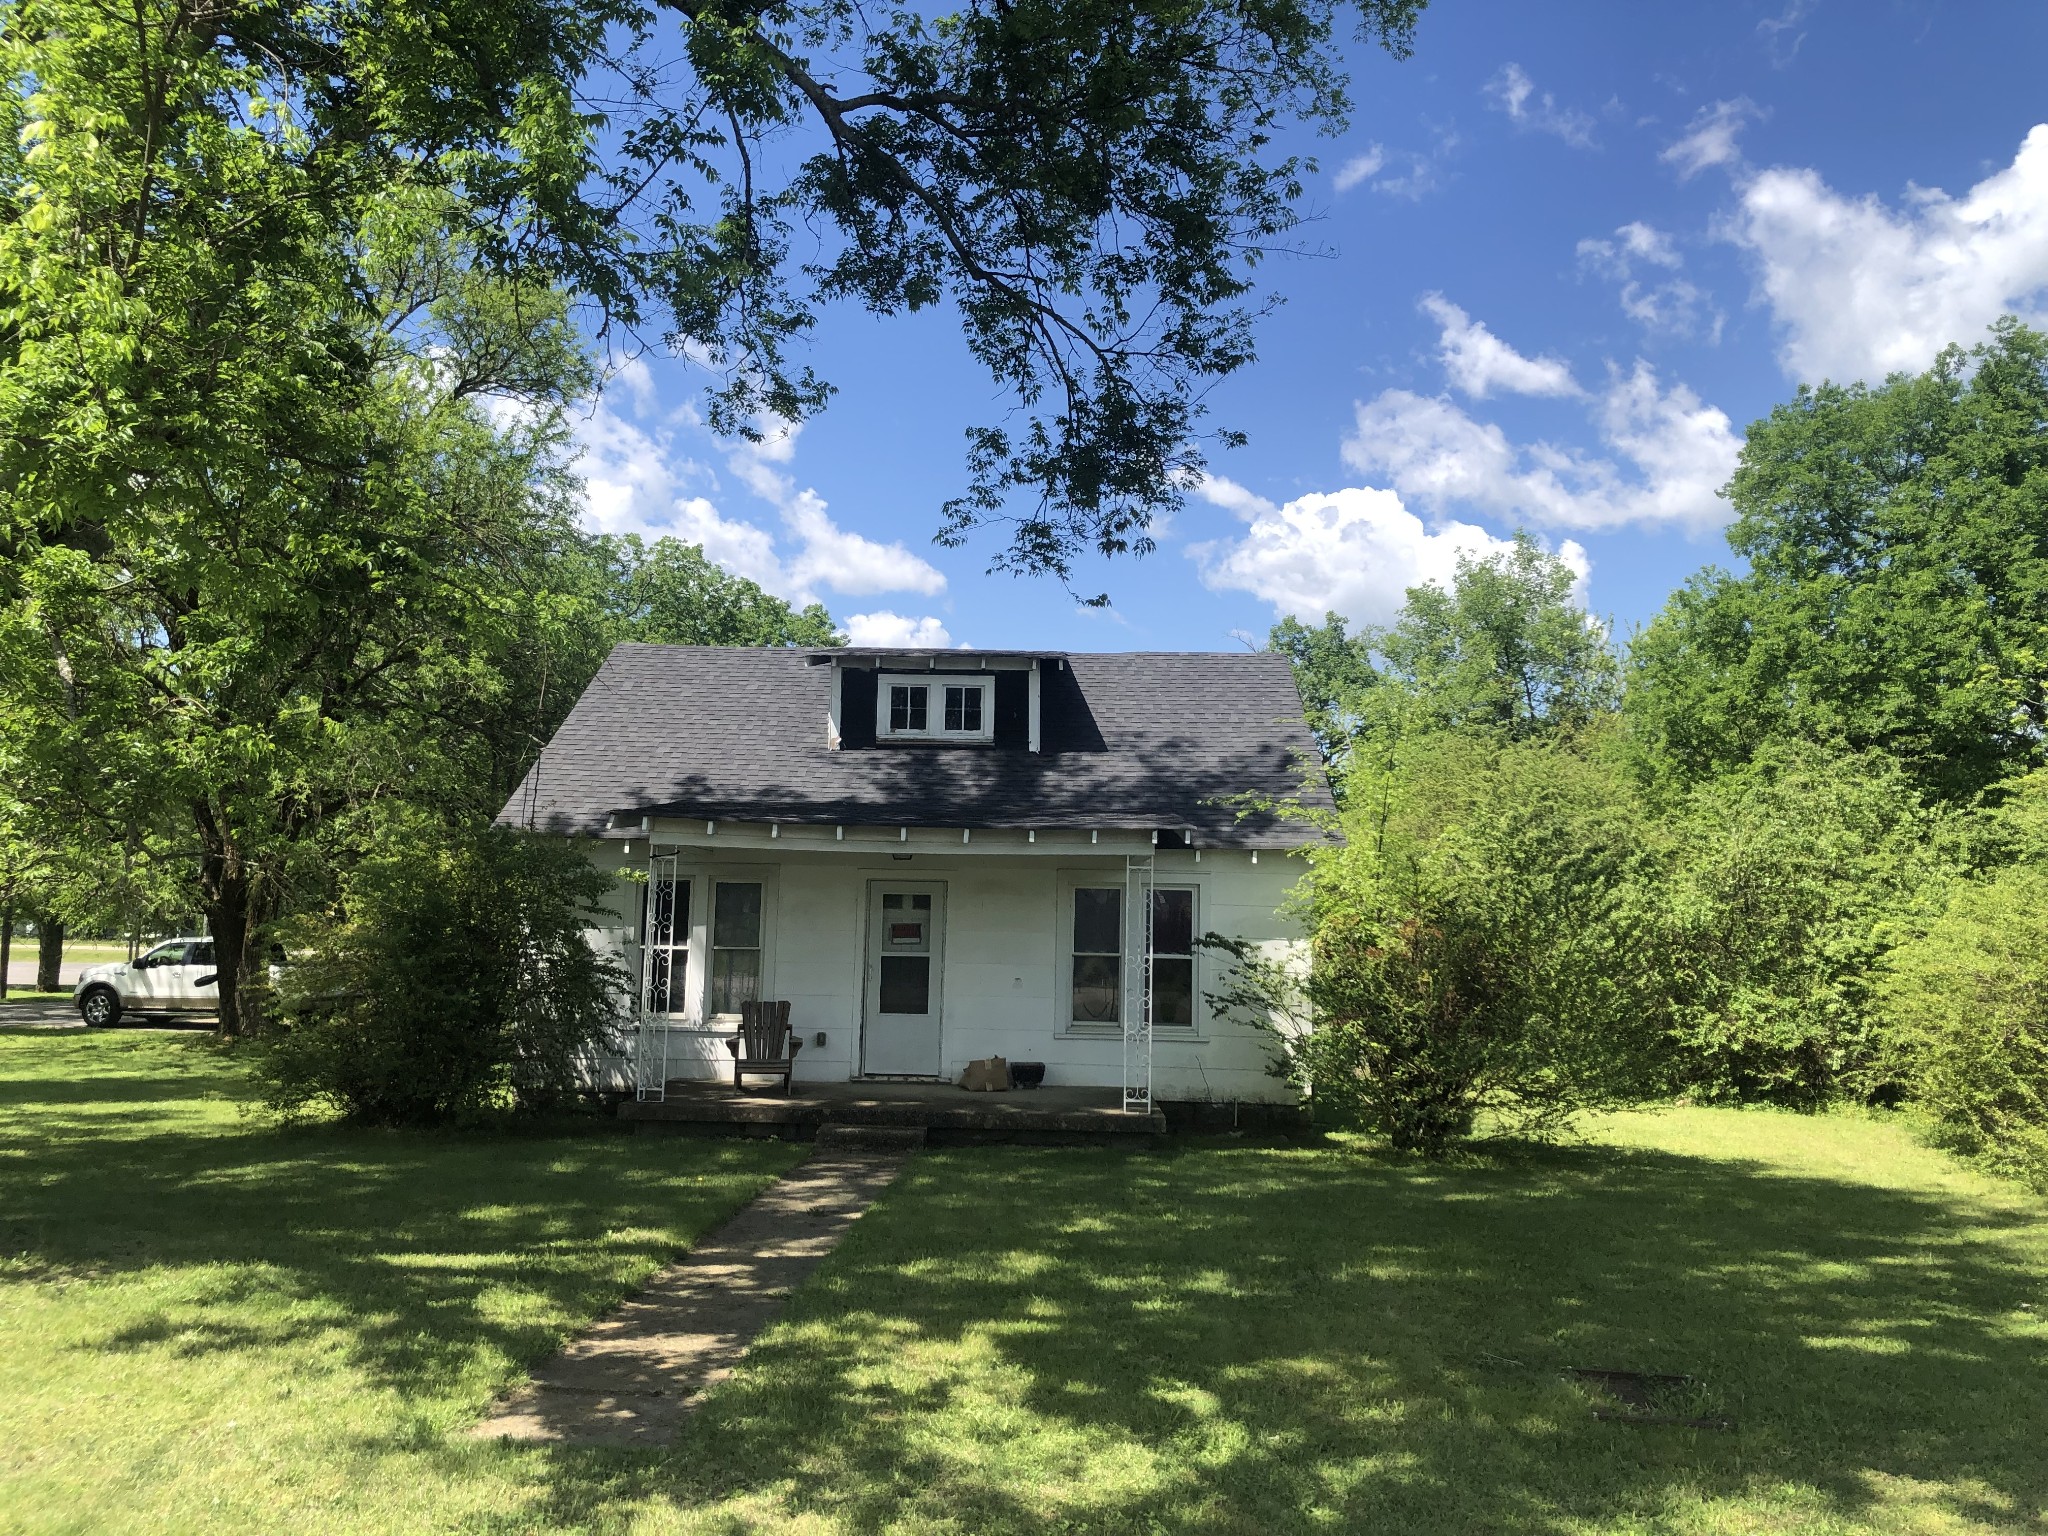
939	708
911	698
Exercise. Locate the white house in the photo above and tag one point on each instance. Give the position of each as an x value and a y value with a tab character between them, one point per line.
936	856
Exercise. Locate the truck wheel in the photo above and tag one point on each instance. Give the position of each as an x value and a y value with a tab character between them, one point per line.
100	1007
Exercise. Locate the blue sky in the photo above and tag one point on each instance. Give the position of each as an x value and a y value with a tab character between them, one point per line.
1568	253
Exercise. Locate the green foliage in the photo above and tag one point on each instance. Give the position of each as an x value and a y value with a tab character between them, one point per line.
452	979
1897	591
1088	185
1472	941
1505	648
668	593
1964	1004
1782	886
1334	673
1474	948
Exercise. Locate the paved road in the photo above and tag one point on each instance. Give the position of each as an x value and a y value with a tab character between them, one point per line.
22	972
58	1013
39	1013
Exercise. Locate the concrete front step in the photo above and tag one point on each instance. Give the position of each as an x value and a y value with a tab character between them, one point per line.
941	1112
838	1137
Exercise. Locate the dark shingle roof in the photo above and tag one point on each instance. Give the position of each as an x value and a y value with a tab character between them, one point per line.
1136	740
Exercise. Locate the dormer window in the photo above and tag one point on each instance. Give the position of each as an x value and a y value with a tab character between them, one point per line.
934	707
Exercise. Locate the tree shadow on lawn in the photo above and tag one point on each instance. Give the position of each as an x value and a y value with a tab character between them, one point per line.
443	1259
1239	1341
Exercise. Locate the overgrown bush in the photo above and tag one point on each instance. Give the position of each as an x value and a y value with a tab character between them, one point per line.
1786	882
1474	950
1964	1005
450	979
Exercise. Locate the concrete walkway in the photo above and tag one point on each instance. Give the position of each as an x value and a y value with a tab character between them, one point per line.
631	1378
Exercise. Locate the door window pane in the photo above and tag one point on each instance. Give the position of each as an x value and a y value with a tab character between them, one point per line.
1098	954
200	954
907	707
735	944
906	984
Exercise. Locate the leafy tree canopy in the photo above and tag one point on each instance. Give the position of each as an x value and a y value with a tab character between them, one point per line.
1088	185
1897	591
1505	649
669	593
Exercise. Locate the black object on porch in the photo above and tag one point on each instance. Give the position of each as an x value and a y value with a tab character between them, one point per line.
764	1047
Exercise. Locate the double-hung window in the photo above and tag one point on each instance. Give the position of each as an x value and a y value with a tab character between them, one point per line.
735	945
668	940
1096	986
935	707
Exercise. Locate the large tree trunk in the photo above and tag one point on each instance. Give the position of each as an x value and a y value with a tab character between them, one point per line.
234	918
49	954
6	944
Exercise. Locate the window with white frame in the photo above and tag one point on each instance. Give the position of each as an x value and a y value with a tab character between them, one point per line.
735	945
1095	990
667	928
934	707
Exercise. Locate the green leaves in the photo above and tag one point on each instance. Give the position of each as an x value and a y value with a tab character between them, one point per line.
1897	538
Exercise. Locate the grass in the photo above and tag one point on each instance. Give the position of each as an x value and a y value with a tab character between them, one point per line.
211	1323
208	1323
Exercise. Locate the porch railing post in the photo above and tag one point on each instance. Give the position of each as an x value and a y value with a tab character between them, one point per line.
1137	988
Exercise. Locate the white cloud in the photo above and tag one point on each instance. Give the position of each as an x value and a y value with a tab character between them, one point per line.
1513	92
1667	454
1355	551
637	479
1642	242
1860	290
1710	140
828	555
1782	35
886	628
1405	173
1359	168
1480	363
1670	303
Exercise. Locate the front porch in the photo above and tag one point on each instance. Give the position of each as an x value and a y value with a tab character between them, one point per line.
942	1112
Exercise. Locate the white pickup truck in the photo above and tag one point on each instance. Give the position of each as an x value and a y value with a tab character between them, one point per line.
176	977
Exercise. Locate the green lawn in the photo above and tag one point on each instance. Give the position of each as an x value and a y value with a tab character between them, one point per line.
212	1324
209	1323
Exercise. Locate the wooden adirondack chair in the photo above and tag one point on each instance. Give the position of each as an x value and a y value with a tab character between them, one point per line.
764	1047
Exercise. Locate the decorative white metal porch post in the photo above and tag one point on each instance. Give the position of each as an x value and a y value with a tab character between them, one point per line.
1137	987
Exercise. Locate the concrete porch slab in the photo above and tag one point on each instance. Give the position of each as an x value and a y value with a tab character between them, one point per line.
943	1111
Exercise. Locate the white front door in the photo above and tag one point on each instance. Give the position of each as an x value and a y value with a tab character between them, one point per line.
900	1025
